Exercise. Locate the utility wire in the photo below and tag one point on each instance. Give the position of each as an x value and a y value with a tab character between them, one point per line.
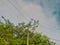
55	39
18	9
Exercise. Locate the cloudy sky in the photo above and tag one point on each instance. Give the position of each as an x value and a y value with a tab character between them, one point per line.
46	11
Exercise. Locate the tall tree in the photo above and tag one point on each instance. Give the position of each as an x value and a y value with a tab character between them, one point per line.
22	34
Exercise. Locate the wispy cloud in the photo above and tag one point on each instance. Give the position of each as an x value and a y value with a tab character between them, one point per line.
32	9
48	22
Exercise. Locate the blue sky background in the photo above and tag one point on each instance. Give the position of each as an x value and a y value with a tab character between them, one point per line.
46	11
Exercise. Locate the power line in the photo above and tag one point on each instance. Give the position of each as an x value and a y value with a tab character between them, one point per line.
18	10
55	39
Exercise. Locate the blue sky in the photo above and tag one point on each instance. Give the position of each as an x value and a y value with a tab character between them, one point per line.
46	11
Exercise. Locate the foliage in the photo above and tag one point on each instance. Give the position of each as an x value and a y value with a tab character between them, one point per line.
17	35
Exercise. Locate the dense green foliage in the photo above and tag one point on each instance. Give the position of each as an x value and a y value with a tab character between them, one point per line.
17	35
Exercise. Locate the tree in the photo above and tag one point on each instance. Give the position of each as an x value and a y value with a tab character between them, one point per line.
17	35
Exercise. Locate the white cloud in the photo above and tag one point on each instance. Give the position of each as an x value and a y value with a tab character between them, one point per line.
48	24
